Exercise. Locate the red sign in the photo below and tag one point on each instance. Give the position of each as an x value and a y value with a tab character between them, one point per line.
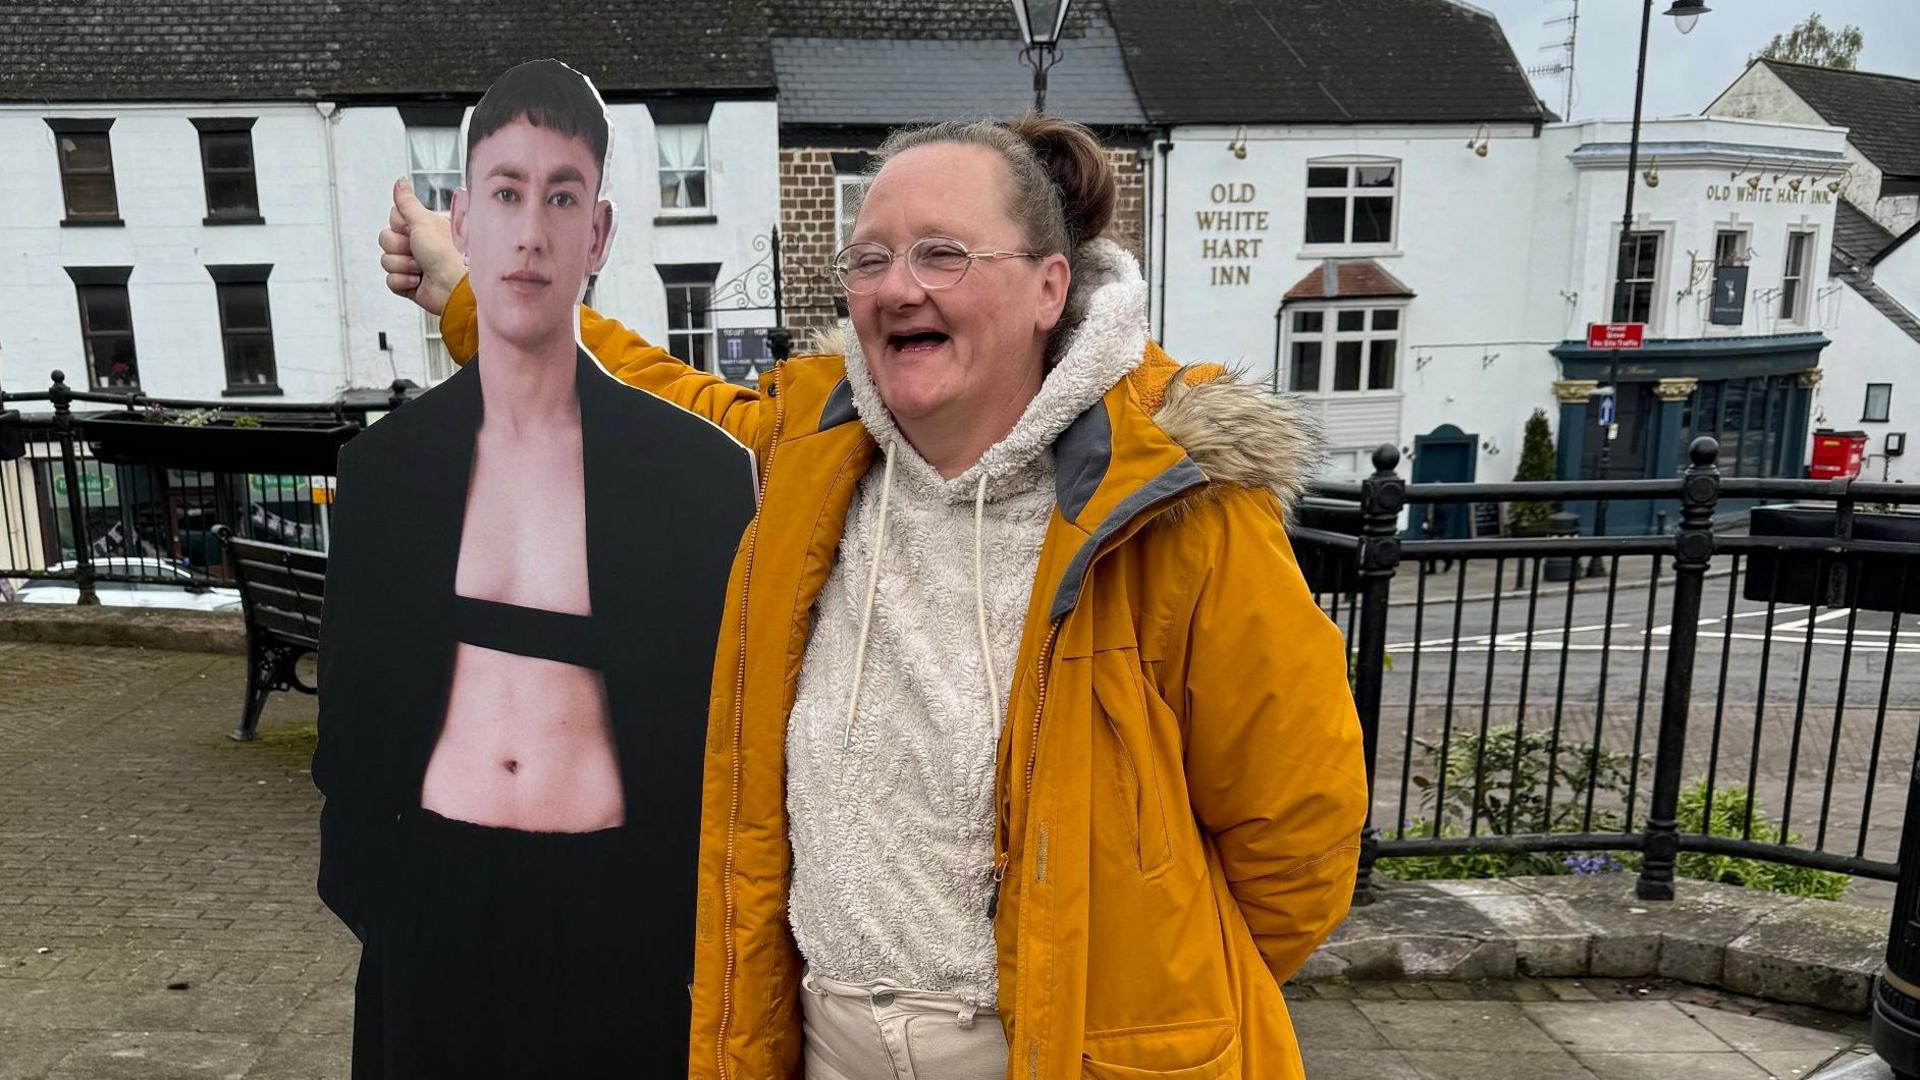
1616	335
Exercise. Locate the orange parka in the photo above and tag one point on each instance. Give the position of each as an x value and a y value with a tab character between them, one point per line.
1180	784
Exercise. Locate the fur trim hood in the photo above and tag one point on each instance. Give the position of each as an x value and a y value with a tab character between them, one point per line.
1238	432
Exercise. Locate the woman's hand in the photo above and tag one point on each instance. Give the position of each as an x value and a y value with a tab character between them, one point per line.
416	251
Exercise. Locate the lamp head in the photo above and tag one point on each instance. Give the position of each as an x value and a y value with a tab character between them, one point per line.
1686	13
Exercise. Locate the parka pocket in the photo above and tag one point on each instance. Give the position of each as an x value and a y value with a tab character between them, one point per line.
1132	762
1202	1050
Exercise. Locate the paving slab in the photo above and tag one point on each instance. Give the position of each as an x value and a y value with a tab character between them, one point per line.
1721	1065
1623	1027
1754	1033
1334	1024
1456	1025
158	1055
1796	1064
1490	1065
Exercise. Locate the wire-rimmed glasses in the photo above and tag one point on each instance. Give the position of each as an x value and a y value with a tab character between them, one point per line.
936	262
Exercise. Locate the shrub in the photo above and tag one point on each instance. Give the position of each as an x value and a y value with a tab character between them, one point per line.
1488	774
1536	463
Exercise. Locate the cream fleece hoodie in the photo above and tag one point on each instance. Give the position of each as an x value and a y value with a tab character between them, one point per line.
892	740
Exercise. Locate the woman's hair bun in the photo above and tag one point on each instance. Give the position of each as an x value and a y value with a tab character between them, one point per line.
1078	166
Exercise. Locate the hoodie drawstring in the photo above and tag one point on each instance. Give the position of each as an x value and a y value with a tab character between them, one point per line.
873	582
980	593
866	609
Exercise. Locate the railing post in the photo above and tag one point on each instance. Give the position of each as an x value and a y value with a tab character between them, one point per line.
62	397
1692	548
1896	993
1381	497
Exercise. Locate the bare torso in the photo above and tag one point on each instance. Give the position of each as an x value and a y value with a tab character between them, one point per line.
527	743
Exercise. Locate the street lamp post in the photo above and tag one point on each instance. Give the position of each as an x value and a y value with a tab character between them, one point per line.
1040	23
1685	14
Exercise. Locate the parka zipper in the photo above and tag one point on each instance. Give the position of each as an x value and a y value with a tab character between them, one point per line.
739	719
1005	855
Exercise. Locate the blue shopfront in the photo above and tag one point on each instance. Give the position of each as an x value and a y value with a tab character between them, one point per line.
1753	394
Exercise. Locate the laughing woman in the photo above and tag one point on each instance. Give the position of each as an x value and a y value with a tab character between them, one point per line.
1030	754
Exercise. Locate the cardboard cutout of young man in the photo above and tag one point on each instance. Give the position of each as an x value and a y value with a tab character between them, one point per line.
522	604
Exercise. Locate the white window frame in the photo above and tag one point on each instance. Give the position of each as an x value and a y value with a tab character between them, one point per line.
439	363
1347	246
454	176
1886	404
1802	307
848	189
705	169
678	337
1662	269
1329	336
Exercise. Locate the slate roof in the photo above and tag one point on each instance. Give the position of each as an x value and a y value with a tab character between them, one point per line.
1321	61
943	20
1857	238
264	50
867	81
1881	112
1346	279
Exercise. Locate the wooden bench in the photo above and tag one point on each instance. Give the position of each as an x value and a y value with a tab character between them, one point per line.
280	594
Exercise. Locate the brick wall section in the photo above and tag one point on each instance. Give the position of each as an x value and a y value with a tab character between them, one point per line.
808	240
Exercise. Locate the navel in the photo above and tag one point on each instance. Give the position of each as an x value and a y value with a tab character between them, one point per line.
510	765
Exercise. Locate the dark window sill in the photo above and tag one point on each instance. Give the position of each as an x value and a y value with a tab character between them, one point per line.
91	223
128	391
686	219
253	391
233	219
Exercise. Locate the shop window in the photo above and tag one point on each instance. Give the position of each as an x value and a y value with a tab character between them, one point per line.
86	170
1879	403
1749	418
1343	350
1352	203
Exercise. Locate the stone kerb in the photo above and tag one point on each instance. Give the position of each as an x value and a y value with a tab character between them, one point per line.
1766	945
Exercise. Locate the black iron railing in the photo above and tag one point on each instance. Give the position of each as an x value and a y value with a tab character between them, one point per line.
73	508
1524	707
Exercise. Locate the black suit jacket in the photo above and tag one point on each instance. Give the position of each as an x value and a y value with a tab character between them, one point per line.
668	496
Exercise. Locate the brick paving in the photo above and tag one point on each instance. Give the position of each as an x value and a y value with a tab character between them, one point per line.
157	917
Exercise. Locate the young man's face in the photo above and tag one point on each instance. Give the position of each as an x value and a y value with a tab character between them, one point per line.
532	226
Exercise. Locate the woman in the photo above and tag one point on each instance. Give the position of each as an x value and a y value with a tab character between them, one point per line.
1023	710
504	783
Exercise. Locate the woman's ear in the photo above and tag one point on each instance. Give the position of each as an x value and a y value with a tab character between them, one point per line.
1056	278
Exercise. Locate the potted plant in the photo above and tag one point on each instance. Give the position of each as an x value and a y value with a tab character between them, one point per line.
217	440
1536	463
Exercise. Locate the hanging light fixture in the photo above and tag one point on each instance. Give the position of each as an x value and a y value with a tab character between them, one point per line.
1652	175
1686	13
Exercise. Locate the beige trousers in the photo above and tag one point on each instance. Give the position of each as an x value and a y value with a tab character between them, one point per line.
886	1032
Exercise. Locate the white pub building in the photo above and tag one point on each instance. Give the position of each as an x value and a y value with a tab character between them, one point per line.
1423	268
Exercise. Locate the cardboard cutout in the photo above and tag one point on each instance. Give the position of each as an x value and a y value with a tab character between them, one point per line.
522	605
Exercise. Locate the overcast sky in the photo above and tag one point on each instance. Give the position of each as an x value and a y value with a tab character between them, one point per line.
1684	73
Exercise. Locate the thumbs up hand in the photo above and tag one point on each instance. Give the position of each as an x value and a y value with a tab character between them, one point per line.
417	252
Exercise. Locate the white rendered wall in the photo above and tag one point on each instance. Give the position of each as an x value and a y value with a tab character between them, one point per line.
162	198
1868	348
